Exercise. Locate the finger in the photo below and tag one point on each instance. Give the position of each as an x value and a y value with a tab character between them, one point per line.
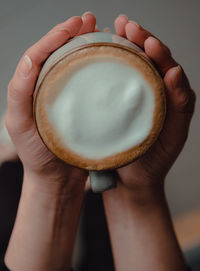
154	49
89	23
160	54
19	96
21	87
120	23
72	25
54	39
180	96
180	103
136	34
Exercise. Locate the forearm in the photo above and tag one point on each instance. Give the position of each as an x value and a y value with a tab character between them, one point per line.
45	227
141	231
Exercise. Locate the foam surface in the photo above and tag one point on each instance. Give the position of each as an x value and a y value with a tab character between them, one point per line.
106	107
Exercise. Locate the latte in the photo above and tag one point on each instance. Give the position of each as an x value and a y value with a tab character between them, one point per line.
101	106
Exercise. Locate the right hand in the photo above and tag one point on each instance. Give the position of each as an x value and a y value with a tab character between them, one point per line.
36	158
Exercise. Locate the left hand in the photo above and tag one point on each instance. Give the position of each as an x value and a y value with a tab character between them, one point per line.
151	169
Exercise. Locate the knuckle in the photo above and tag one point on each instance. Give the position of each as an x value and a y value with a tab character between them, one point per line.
186	101
12	91
8	124
18	127
183	98
13	94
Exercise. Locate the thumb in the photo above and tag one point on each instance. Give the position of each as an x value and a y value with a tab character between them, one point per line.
180	96
180	108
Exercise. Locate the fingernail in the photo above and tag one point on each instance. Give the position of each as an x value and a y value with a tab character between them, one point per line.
86	13
136	24
62	29
107	30
152	38
26	66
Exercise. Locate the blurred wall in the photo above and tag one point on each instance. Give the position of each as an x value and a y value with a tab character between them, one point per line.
176	23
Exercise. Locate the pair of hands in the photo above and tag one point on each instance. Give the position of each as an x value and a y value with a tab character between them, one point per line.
147	171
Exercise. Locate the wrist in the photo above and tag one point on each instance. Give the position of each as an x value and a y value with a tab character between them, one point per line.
70	183
139	220
45	227
141	195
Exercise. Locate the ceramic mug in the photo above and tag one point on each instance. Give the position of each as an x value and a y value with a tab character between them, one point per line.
150	114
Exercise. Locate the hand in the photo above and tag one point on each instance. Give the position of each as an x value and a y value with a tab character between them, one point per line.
36	158
138	204
153	166
52	193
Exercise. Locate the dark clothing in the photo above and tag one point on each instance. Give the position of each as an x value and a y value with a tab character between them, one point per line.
11	174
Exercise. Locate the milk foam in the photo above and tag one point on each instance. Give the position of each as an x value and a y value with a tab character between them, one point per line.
106	107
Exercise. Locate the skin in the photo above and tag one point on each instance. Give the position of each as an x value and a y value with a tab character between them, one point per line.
138	204
52	192
180	102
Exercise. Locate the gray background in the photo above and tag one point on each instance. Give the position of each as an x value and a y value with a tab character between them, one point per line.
177	23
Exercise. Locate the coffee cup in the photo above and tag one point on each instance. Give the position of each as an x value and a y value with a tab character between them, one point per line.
99	104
